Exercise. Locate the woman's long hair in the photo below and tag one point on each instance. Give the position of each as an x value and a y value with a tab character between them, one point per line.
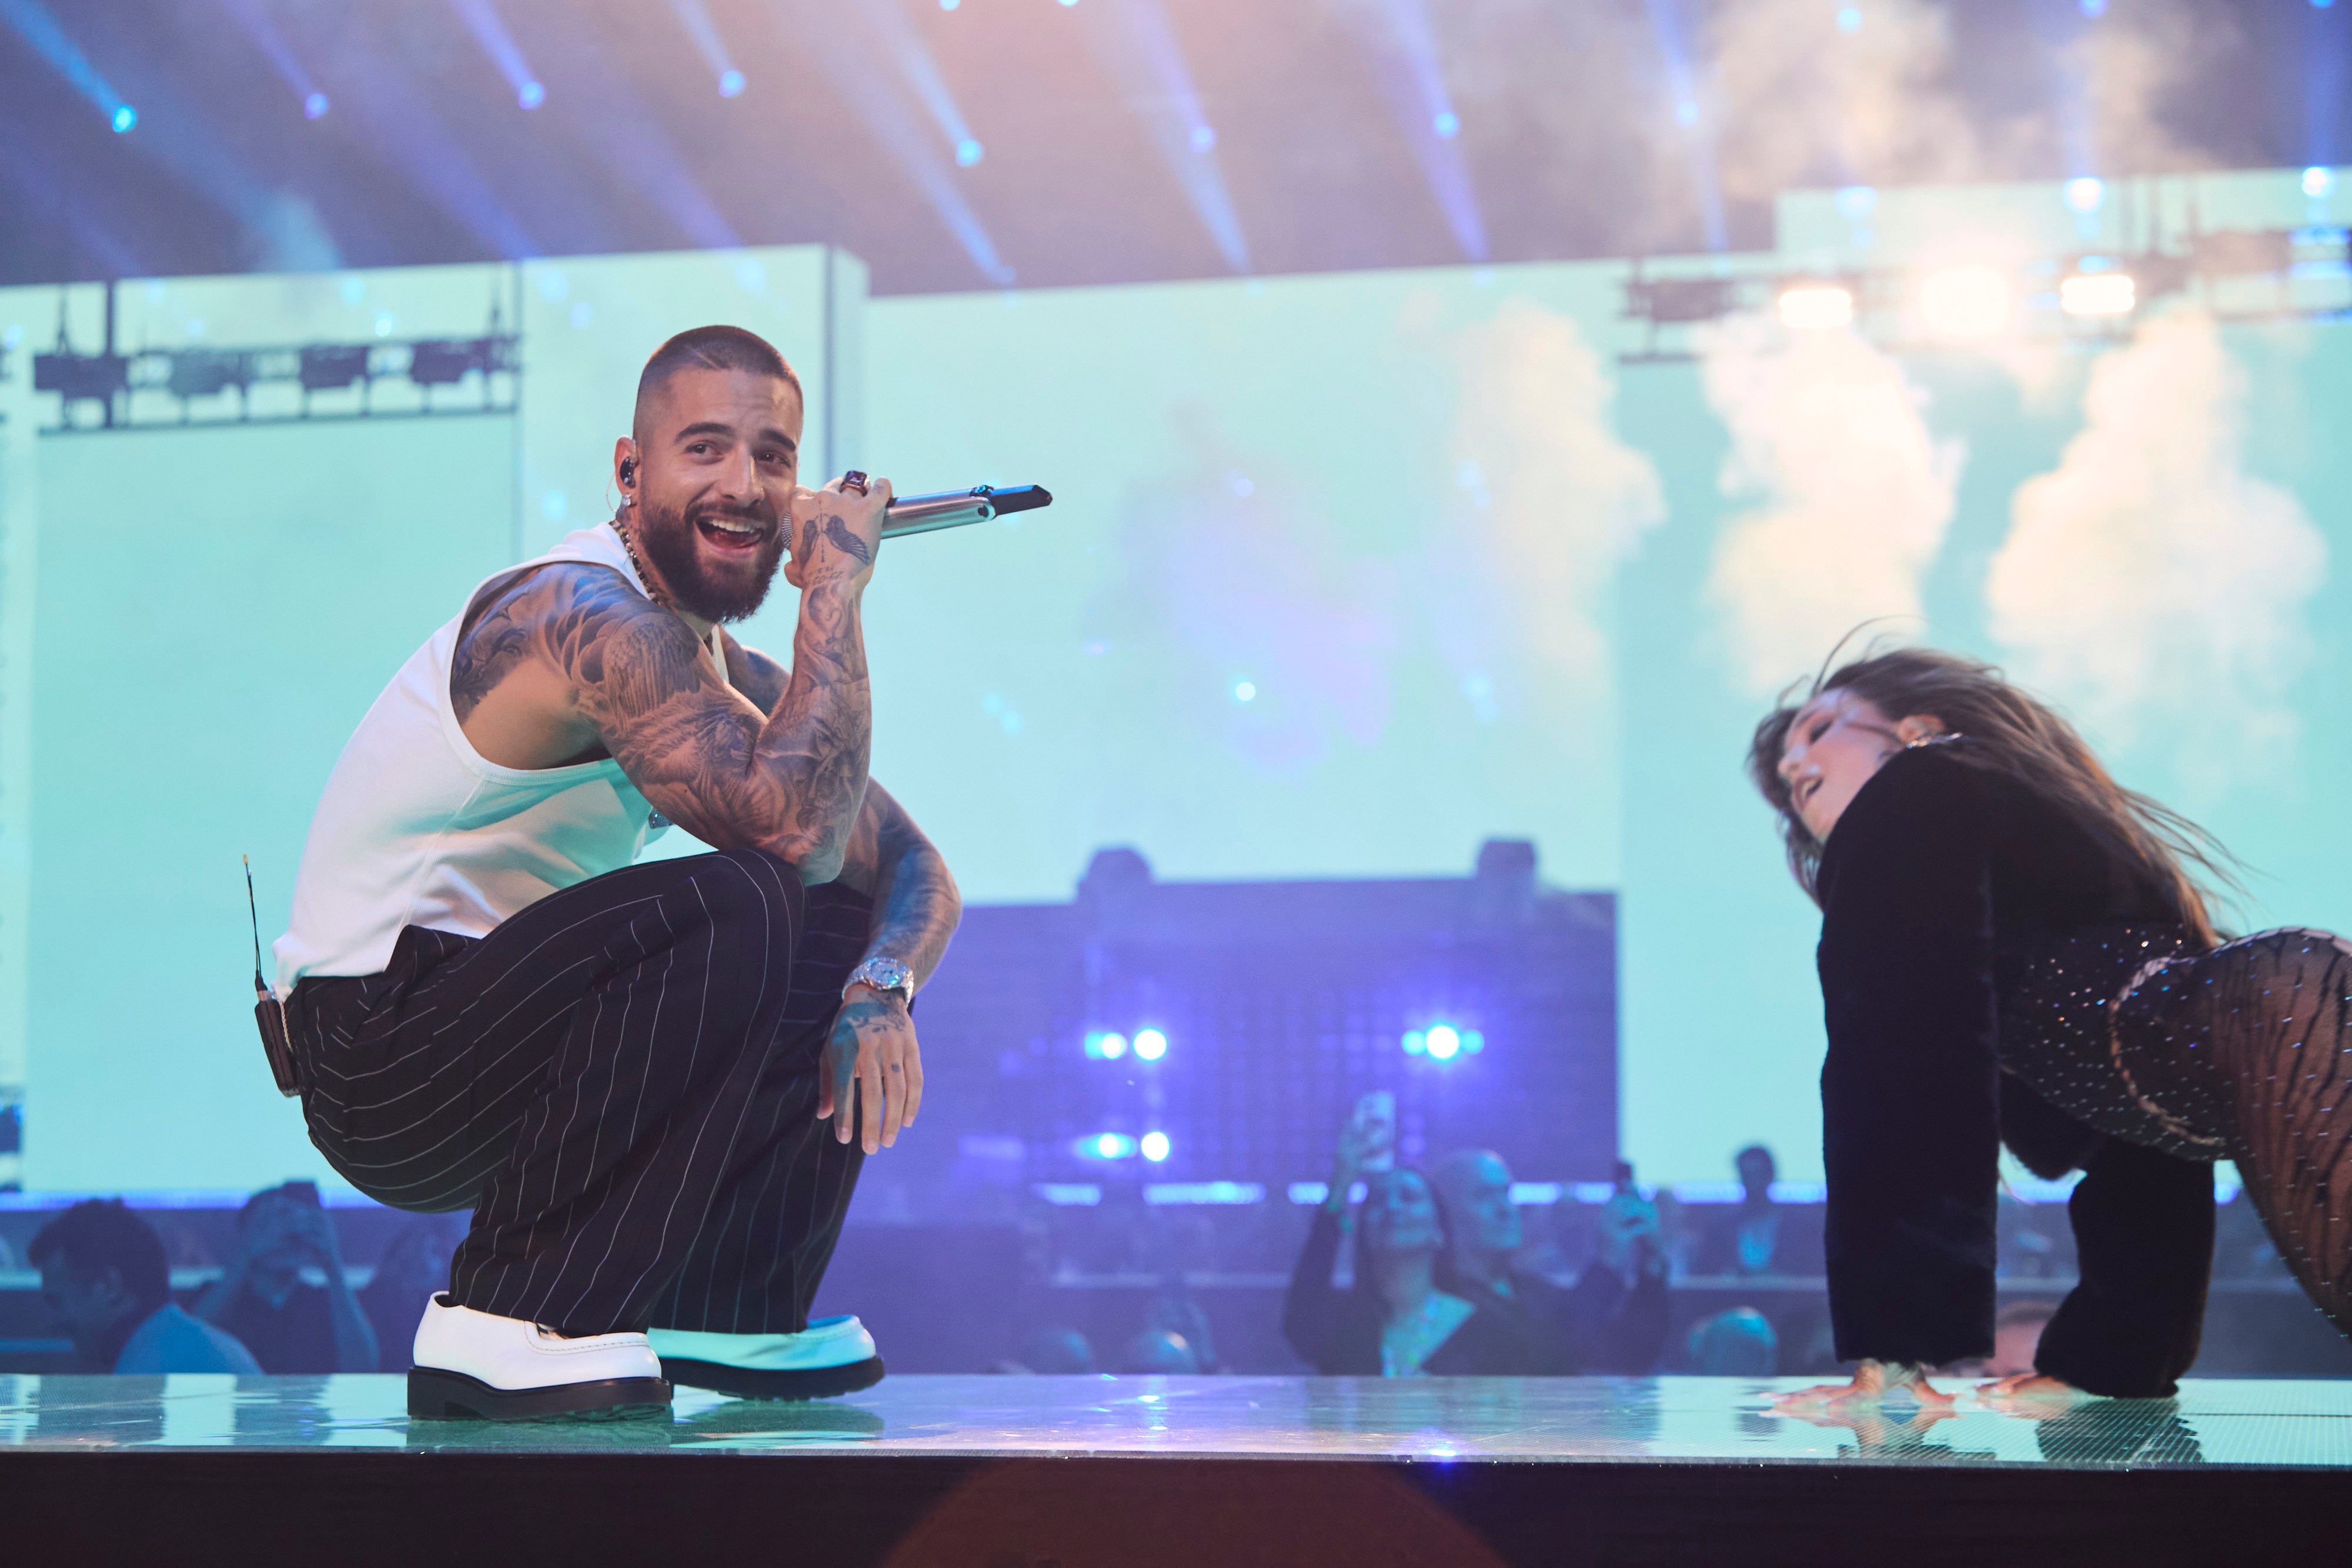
1367	1273
2013	734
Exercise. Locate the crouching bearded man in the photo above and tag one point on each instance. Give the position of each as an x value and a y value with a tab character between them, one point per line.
625	1069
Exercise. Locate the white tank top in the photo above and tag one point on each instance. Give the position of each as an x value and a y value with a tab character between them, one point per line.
416	827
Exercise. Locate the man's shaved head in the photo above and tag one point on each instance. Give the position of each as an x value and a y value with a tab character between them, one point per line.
710	349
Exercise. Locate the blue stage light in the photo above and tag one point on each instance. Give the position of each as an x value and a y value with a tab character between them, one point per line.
1155	1146
950	4
1446	123
1150	1045
1473	1042
1849	20
1105	1045
1444	1042
2094	9
730	83
969	152
314	106
531	95
1204	137
1106	1146
1415	1042
124	119
2085	194
2318	181
1244	691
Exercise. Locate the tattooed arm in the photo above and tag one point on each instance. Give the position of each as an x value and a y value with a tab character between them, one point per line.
573	660
916	902
916	908
873	1053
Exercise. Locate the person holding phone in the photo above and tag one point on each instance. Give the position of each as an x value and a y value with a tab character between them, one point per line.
1398	1319
263	1301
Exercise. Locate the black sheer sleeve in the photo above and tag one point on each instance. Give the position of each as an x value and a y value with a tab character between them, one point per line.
1317	1319
1910	1088
2144	1234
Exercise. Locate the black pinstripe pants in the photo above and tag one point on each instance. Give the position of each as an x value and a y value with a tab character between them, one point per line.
621	1082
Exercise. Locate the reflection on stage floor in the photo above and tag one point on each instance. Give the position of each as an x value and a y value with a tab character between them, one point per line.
2266	1424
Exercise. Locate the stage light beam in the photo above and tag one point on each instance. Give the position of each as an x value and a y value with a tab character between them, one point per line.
482	20
1150	1044
1414	79
1444	1042
253	17
696	19
849	59
1154	1146
50	41
1138	48
1965	302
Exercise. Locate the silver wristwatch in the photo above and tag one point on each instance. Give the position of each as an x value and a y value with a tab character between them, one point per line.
883	975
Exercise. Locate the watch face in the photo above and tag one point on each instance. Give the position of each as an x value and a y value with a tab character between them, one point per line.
885	973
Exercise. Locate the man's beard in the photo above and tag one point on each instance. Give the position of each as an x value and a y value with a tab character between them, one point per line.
670	542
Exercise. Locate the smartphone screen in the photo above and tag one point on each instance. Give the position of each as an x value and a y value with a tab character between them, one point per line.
1376	1117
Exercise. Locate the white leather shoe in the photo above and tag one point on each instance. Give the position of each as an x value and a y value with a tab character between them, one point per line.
831	1356
470	1364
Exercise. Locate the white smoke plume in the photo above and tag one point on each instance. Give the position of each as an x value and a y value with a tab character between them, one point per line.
1852	493
1561	500
2148	579
1779	96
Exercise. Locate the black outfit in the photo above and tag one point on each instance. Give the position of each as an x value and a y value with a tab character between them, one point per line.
1599	1325
1339	1331
621	1082
295	1337
1990	973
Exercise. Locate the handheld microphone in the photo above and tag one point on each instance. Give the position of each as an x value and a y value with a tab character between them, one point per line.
910	514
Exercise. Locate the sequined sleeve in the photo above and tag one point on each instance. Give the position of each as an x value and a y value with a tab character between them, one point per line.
1910	1119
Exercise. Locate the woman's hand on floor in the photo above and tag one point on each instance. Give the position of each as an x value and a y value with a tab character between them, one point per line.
1871	1382
2031	1394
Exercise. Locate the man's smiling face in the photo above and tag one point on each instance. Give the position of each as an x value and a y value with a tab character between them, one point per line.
717	464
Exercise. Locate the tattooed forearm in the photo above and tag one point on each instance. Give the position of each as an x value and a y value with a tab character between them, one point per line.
789	781
917	911
916	904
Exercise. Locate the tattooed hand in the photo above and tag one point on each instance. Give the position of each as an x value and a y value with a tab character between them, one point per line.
871	1081
834	535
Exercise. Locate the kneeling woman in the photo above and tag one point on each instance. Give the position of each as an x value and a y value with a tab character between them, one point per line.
2013	951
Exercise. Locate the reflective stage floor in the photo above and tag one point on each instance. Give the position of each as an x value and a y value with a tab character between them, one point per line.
1072	1469
2270	1424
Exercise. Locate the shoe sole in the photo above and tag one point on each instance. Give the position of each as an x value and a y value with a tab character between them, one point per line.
435	1395
745	1383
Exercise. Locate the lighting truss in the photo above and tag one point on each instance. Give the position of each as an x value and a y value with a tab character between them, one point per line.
2252	276
194	376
